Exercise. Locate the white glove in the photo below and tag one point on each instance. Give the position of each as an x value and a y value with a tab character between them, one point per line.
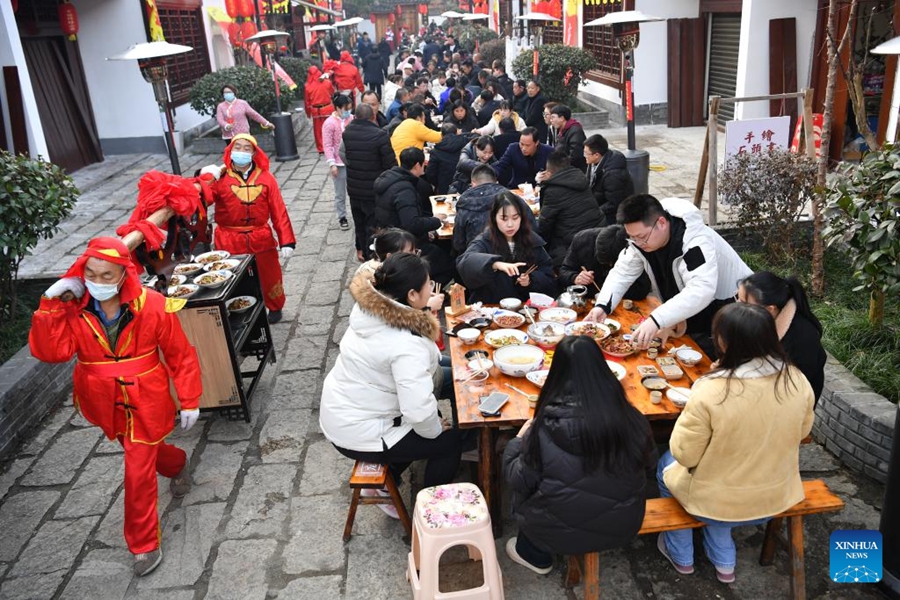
286	252
214	170
189	417
66	284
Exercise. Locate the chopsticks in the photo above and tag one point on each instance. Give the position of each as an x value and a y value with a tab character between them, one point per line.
530	270
583	269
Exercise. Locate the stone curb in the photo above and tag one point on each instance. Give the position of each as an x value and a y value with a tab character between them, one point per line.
854	423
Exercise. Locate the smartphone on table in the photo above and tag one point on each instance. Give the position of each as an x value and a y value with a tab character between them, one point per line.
490	405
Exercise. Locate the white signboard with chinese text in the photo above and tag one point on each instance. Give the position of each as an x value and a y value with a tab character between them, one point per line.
755	136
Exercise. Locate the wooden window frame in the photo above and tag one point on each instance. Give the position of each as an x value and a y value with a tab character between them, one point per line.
589	13
185	69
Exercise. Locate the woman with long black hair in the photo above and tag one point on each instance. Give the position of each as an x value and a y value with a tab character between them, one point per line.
495	264
798	328
734	454
577	470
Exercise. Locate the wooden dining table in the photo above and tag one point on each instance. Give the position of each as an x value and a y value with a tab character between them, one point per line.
517	410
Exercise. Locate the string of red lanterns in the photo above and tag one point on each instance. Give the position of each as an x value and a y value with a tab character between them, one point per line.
68	20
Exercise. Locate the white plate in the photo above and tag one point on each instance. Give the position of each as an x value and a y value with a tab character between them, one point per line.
601	331
208	257
238	311
558	315
492	337
618	370
211	286
538	377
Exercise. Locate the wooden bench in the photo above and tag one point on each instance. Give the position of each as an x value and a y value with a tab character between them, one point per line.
666	514
374	476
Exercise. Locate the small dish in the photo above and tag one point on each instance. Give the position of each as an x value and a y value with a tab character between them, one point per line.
558	315
483	365
618	370
538	378
507	319
469	335
688	356
613	326
513	304
679	396
473	354
654	382
479	323
241	304
499	338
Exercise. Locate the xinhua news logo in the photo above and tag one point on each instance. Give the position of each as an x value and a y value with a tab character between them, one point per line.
856	556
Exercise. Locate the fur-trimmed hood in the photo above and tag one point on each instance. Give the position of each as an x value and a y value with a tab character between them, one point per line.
379	311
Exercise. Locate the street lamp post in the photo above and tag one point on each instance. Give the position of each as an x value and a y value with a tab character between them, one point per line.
285	144
152	58
626	29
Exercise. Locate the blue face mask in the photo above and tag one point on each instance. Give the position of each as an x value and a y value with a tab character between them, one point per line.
229	97
241	159
346	114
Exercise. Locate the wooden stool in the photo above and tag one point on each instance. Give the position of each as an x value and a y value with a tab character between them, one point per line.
446	516
374	476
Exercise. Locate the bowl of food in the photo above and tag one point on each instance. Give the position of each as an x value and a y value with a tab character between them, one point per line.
183	291
679	396
222	265
688	356
613	326
479	323
618	370
213	279
211	257
188	269
513	304
499	338
558	315
176	279
538	378
507	319
618	346
518	360
469	335
598	331
241	304
547	334
654	383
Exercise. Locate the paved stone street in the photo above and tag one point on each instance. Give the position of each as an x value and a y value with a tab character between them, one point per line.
265	517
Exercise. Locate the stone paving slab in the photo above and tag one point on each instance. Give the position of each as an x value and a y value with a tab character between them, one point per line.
265	517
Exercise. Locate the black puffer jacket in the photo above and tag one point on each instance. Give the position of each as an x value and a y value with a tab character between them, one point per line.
443	161
559	506
401	200
534	114
571	141
584	251
468	160
567	207
368	154
612	183
373	69
472	213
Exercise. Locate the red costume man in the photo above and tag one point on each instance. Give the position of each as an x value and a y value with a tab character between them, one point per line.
246	198
117	331
347	78
317	97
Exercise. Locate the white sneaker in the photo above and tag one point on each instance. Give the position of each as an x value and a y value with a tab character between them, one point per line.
388	509
511	552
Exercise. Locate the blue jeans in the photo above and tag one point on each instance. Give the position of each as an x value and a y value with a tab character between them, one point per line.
447	390
717	539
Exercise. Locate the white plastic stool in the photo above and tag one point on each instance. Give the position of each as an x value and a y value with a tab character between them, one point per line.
446	516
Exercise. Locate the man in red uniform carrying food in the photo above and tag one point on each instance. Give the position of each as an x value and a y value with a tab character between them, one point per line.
118	331
246	197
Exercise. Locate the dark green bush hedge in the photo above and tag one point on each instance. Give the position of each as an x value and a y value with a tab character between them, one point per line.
296	68
492	50
554	62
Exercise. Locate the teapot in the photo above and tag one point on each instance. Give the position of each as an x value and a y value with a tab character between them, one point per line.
574	298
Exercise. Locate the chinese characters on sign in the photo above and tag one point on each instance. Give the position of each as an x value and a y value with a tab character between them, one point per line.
755	136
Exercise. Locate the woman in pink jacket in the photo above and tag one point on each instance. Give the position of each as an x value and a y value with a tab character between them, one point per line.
332	133
232	114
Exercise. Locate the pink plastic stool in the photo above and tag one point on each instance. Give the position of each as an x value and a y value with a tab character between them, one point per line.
446	516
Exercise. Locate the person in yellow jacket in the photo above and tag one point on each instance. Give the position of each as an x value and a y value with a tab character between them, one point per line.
412	132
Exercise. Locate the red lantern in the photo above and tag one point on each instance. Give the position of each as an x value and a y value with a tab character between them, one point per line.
399	10
245	8
372	18
68	20
232	7
391	18
234	34
248	29
423	9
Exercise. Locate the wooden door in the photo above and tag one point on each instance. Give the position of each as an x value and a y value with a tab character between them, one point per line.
687	45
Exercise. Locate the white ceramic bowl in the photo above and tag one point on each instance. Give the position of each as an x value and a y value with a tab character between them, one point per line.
598	331
176	279
511	304
188	269
469	335
613	325
547	334
222	265
483	365
538	377
518	360
225	276
239	310
688	357
618	370
558	315
183	291
507	319
208	257
498	338
679	396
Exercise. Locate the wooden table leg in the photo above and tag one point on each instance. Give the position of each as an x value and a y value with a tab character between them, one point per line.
798	568
592	576
486	481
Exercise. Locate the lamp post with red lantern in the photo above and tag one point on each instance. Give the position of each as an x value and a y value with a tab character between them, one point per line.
152	58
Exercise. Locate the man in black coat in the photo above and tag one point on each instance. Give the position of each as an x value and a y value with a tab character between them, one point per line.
596	250
534	108
508	135
520	97
367	154
571	135
373	100
431	50
384	51
608	176
445	156
567	206
373	72
402	200
499	71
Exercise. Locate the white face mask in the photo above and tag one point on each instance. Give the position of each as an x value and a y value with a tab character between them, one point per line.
103	291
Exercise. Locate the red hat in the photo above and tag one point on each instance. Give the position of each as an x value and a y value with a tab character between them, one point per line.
111	250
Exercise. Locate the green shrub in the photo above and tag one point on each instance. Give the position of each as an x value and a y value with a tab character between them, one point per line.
493	50
35	196
467	35
254	85
560	69
296	68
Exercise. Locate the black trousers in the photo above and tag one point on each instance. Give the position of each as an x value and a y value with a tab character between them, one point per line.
363	224
375	87
442	454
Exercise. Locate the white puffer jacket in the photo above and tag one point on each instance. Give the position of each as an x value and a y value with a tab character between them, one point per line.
715	279
384	371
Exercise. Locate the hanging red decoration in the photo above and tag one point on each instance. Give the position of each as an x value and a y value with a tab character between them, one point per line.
245	8
248	29
68	20
234	34
372	18
262	6
399	10
391	18
423	9
232	7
